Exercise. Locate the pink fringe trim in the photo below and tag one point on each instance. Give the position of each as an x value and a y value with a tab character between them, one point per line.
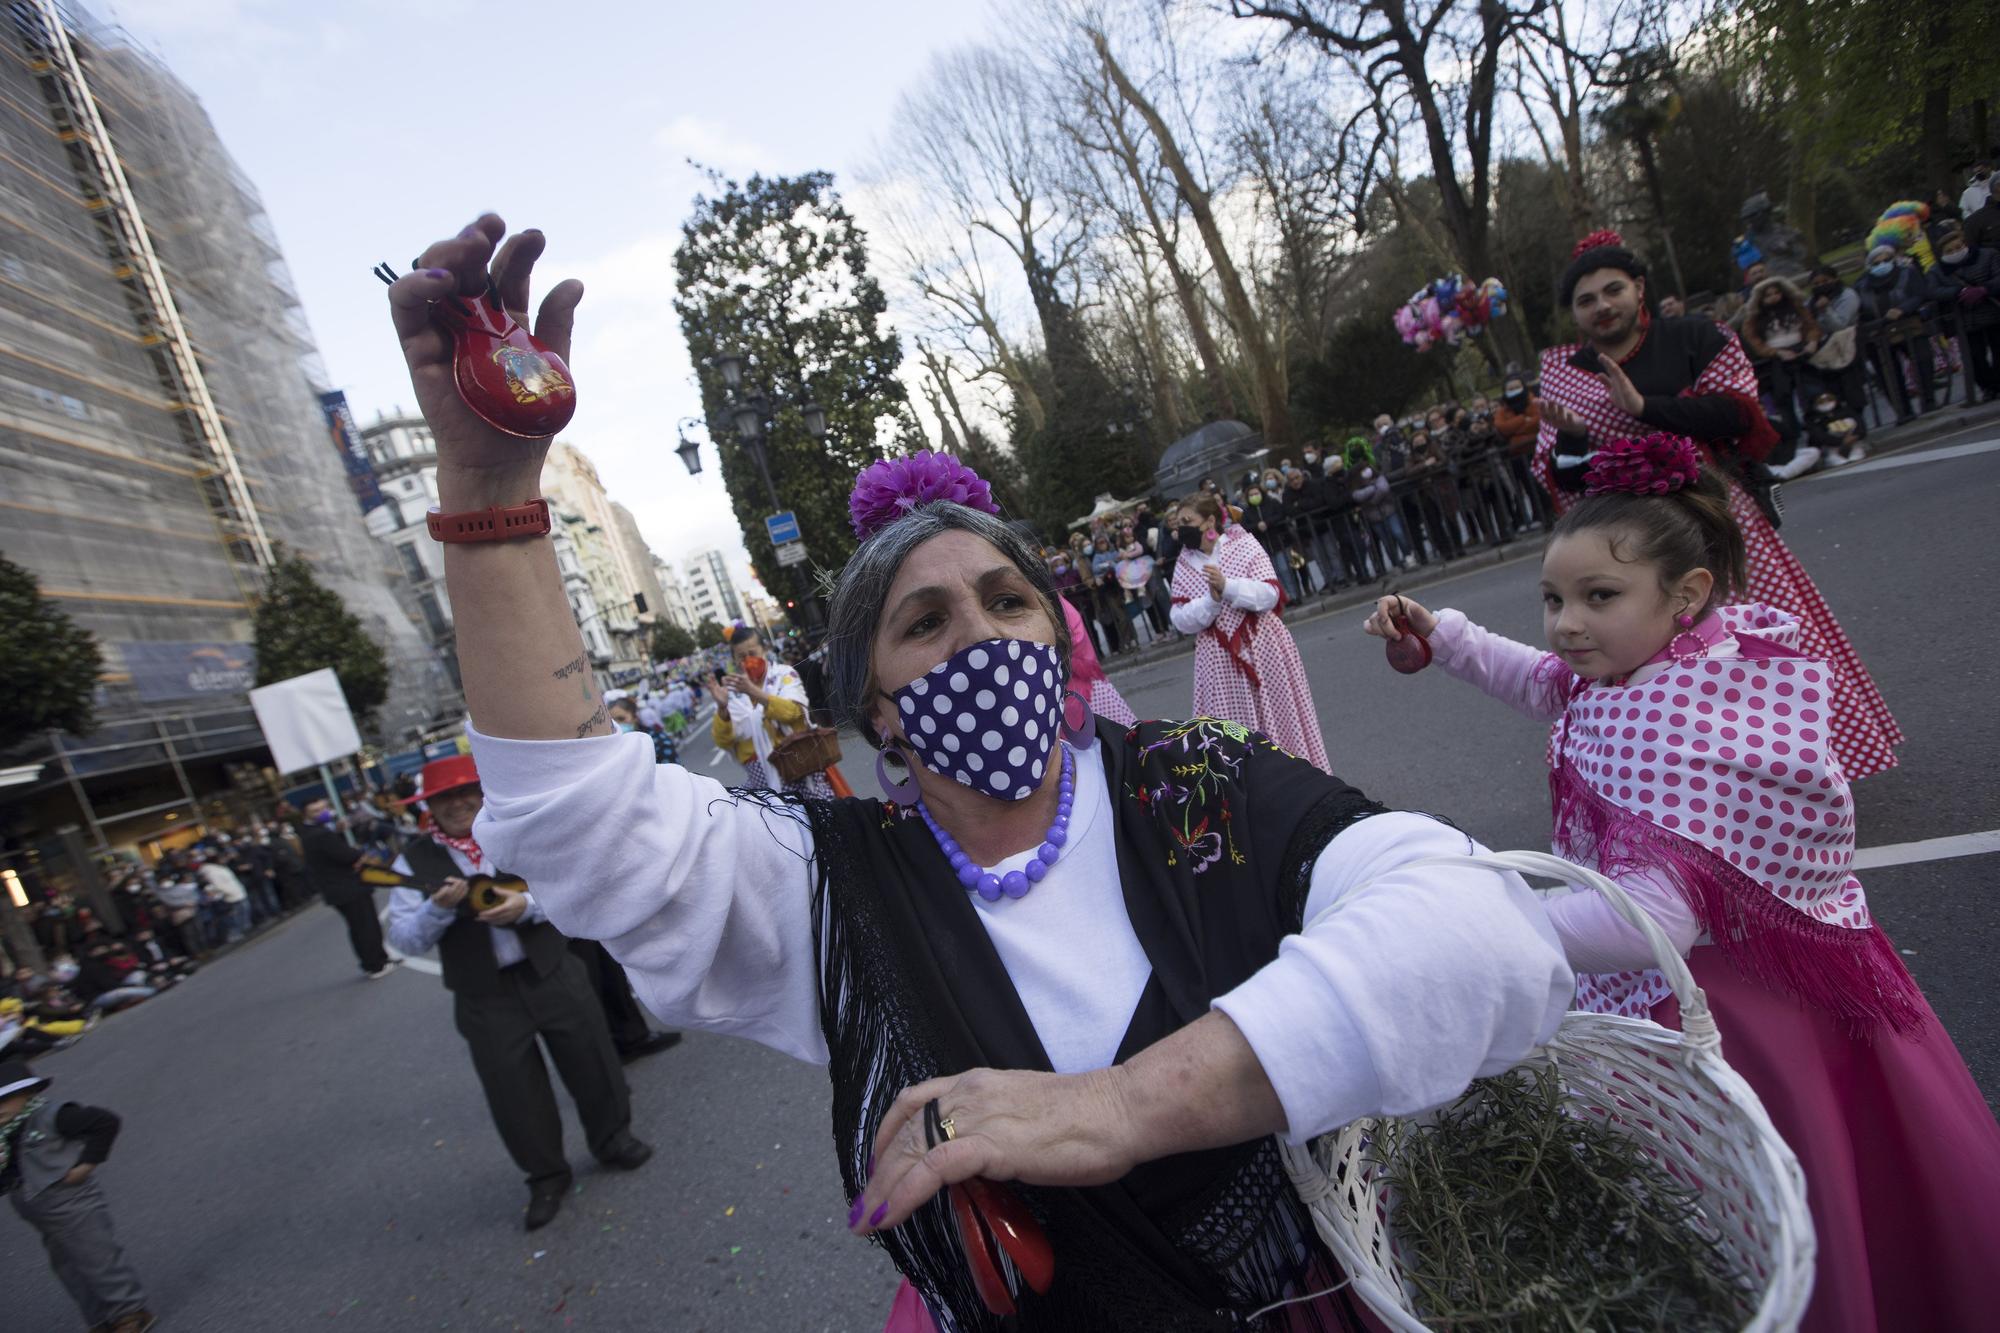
1853	974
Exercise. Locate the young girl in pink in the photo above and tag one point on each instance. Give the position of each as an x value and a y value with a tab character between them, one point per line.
1689	761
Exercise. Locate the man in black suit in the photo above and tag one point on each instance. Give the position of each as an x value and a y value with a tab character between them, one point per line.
513	980
331	867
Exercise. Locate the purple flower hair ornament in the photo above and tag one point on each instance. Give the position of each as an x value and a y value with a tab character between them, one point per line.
1658	464
889	488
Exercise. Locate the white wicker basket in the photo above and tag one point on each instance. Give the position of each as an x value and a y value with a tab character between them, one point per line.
1672	1090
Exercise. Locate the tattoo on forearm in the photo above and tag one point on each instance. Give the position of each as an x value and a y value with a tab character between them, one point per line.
569	668
584	727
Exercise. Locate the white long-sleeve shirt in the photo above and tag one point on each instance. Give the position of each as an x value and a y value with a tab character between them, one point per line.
1244	594
416	923
1414	984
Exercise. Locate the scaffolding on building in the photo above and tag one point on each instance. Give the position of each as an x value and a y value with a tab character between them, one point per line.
161	434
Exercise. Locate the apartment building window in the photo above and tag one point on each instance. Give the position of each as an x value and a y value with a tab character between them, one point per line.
413	563
433	613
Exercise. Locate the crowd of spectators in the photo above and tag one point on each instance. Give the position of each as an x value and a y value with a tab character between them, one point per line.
171	915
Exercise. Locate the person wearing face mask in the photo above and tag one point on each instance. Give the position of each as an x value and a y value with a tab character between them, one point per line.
1247	669
1982	224
1265	517
1633	376
1069	982
1780	335
757	705
1517	421
1968	280
625	716
1838	366
1895	306
331	866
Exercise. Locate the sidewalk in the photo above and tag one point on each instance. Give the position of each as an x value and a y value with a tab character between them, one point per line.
1882	443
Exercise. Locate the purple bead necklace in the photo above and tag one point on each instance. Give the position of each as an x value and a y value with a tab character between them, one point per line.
1015	883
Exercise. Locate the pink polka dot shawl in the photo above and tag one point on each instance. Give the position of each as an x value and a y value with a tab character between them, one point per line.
1718	776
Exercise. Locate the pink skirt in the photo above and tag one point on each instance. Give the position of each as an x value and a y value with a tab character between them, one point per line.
1901	1156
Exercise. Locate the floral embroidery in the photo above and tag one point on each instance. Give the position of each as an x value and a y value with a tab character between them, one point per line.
1189	790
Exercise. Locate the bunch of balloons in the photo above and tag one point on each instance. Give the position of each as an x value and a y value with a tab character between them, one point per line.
1449	310
1902	225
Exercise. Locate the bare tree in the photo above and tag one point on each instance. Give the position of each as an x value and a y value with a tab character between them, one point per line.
1300	156
1115	163
1402	51
1260	356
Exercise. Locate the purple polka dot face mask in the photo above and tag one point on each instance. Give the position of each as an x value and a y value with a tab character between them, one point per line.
987	716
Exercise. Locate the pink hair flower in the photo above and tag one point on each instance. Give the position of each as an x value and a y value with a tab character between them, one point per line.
889	488
1658	464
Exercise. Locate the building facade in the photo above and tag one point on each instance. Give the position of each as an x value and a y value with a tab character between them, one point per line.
711	592
674	603
162	438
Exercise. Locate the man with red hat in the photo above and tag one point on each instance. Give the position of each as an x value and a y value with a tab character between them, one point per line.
512	979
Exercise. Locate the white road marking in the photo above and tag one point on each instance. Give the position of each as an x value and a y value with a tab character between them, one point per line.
1929	849
1907	460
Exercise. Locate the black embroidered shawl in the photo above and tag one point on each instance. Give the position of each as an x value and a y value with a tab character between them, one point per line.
1217	831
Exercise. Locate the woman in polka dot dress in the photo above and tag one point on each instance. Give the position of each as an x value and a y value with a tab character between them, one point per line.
1689	760
1246	666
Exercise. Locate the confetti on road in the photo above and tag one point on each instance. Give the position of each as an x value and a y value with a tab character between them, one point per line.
730	1211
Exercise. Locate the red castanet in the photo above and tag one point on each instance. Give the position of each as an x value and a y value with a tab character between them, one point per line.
510	378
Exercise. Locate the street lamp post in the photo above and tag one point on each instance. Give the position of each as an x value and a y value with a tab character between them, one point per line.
752	414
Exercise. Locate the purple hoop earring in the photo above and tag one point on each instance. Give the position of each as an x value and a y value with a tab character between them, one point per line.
904	792
1686	656
1080	733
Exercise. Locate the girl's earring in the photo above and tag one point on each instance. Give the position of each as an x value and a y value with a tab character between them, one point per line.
1687	647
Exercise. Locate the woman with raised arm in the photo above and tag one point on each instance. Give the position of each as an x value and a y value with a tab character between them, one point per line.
1077	960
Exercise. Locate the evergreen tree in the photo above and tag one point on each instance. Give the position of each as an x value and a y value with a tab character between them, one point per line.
671	642
776	270
1076	455
707	634
302	625
49	671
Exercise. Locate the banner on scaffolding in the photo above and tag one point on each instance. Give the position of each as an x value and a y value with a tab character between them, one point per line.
163	671
353	452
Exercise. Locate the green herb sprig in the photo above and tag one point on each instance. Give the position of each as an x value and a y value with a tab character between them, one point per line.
1515	1215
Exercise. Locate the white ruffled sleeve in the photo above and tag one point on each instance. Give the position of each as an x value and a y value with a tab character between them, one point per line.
703	895
1414	984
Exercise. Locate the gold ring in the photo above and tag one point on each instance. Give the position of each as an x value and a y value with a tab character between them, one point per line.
946	1128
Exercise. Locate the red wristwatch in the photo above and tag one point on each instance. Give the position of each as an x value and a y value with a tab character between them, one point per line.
501	523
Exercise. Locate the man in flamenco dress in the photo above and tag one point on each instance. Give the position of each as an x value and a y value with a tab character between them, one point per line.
1636	373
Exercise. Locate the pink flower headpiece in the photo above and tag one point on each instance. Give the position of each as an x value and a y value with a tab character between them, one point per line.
889	488
1653	465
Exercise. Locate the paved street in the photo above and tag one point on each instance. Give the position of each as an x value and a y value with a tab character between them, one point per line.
304	1149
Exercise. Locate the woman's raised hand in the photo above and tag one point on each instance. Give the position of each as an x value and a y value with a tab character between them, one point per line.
1382	621
475	460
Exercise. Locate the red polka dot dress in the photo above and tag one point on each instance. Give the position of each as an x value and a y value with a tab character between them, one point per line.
1247	667
1865	734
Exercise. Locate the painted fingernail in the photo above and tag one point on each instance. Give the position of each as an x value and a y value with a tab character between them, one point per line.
881	1211
437	272
854	1213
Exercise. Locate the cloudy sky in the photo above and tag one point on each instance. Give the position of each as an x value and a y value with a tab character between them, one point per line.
374	126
